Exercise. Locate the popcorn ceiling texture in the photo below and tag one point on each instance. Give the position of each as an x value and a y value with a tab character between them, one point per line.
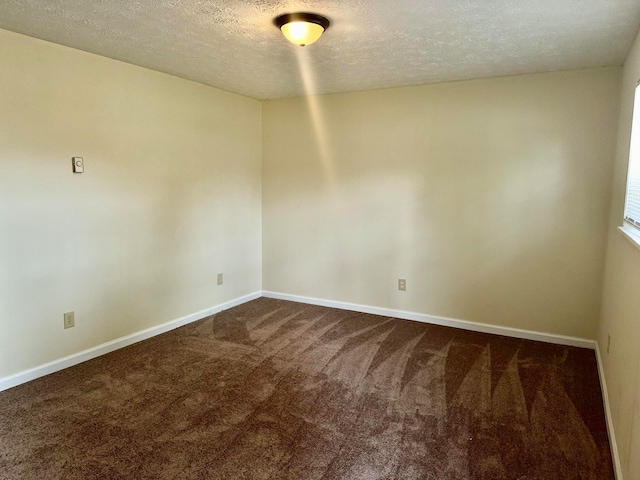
233	44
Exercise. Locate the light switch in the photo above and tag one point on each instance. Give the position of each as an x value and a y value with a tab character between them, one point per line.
78	164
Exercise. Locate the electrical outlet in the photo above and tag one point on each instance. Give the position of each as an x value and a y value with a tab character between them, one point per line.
69	321
220	279
402	285
608	343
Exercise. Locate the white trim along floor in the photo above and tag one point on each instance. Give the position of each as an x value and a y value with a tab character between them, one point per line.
76	358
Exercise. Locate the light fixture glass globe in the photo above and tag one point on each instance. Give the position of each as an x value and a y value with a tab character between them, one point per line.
302	28
302	33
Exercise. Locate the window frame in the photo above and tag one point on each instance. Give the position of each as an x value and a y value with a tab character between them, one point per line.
631	227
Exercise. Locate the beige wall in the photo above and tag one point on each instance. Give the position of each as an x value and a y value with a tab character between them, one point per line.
171	196
490	197
620	316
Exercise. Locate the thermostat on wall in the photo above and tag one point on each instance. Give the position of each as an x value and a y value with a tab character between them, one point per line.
78	164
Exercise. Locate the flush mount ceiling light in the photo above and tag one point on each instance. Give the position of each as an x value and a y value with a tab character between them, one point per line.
302	28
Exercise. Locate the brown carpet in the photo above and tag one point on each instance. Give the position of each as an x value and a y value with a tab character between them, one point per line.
281	390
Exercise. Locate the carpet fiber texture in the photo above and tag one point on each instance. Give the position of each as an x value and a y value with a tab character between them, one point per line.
281	390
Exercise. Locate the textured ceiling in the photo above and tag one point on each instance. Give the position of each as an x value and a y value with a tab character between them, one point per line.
233	44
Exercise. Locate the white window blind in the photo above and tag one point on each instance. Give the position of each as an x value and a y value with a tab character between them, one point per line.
632	201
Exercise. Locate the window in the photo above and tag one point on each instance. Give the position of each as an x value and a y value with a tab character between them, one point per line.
632	200
631	226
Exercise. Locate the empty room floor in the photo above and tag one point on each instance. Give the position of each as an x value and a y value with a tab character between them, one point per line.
282	390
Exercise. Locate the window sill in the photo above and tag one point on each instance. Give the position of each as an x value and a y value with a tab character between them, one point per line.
632	234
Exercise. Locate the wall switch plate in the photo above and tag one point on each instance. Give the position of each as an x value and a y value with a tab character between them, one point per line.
220	279
69	321
402	285
78	164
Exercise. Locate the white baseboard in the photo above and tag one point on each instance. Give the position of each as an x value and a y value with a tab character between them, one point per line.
76	358
444	321
607	411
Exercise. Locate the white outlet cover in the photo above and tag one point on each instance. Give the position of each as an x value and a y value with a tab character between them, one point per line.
69	320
